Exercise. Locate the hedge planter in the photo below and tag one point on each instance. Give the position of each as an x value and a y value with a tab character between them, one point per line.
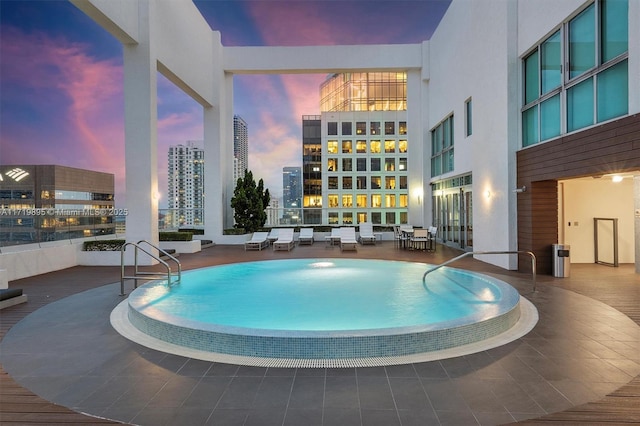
182	246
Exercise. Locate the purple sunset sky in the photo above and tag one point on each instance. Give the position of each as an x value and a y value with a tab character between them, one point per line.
61	80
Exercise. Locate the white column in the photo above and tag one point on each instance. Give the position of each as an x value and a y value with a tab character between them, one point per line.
416	161
140	99
218	151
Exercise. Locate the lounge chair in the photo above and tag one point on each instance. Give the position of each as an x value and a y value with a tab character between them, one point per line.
306	236
348	239
258	241
273	235
285	240
366	233
334	238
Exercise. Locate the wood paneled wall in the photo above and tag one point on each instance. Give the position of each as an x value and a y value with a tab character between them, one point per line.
609	148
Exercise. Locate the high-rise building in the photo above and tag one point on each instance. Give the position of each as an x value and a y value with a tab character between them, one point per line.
363	150
291	194
311	169
272	213
49	202
240	147
186	185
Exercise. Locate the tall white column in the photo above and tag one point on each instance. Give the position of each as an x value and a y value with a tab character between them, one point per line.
218	151
140	99
416	150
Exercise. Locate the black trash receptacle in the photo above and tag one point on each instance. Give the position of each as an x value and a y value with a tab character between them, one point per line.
560	258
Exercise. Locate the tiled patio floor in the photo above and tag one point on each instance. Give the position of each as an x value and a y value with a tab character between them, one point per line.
580	351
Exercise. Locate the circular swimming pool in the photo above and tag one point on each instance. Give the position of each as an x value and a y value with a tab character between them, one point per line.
324	309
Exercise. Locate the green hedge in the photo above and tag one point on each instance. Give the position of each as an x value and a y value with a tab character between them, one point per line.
194	231
175	236
234	231
103	245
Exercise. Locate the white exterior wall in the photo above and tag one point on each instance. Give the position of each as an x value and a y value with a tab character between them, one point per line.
468	61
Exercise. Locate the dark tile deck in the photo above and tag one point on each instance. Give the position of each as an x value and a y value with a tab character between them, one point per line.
579	365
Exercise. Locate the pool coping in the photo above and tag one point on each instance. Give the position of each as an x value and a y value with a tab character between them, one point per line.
527	320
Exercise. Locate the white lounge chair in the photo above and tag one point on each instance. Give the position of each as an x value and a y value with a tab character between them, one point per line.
366	233
306	236
334	238
258	241
273	235
348	239
285	240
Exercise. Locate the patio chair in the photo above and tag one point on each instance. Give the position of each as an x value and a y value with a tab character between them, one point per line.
306	236
399	237
366	233
420	239
433	232
348	239
258	241
285	240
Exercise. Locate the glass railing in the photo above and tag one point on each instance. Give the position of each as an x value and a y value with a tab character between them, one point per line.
31	225
176	219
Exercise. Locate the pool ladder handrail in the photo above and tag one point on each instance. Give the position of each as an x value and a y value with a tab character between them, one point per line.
142	275
470	253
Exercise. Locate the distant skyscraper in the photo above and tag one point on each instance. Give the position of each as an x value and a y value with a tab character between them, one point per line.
311	168
186	185
240	146
292	193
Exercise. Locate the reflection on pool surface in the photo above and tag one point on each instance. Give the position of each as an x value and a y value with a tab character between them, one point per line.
324	308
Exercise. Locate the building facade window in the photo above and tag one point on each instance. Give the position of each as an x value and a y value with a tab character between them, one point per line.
361	128
375	182
468	117
442	147
361	147
332	164
361	182
390	146
374	128
593	88
389	128
332	128
346	128
332	147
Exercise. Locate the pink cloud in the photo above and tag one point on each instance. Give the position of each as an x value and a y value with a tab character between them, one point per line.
77	101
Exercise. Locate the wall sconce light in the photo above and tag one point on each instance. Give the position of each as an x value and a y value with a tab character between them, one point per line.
487	194
521	189
616	178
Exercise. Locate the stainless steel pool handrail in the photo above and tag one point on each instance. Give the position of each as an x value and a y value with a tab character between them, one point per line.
470	253
142	275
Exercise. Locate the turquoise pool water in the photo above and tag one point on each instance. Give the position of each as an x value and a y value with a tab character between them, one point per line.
326	295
